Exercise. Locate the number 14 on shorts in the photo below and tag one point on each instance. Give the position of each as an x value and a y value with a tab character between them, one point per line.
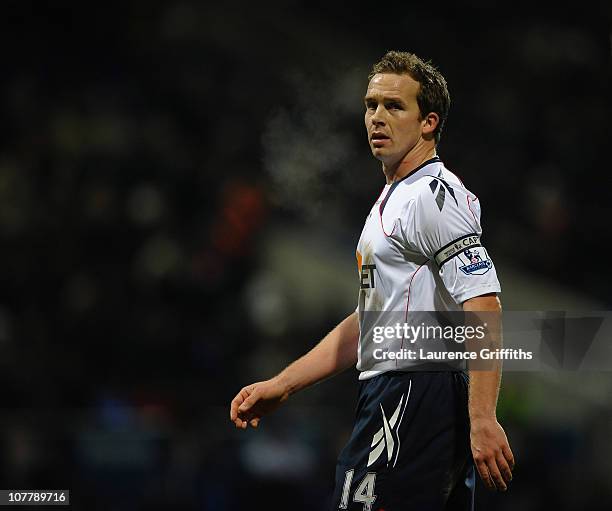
364	493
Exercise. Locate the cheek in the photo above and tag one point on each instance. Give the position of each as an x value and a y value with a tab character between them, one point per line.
409	130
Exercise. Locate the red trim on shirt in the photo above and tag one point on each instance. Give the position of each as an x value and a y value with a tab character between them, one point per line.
408	300
468	203
409	286
380	214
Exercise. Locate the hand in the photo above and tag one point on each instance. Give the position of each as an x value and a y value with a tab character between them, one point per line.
492	455
255	401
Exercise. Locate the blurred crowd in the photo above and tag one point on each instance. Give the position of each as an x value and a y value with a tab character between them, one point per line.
178	180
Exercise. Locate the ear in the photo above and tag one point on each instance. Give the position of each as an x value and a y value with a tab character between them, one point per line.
429	124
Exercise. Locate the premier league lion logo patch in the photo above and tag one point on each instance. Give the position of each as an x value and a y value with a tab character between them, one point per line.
473	263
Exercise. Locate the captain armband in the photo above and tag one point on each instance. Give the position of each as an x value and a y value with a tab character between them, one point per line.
456	247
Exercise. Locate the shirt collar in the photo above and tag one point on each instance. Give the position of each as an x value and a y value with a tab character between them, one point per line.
420	171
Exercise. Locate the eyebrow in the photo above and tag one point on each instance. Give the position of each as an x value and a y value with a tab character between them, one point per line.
384	98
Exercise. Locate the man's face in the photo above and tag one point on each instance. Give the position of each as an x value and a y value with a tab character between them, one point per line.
392	116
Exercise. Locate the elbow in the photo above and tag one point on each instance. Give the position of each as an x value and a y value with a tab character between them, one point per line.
486	302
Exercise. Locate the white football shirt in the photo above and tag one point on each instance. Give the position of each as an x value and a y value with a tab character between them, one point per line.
420	250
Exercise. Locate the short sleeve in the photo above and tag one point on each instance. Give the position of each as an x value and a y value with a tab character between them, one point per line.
447	231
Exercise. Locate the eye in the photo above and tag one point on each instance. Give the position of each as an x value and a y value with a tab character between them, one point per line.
394	105
371	105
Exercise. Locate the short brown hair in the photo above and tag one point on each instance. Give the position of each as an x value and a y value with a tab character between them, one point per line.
433	93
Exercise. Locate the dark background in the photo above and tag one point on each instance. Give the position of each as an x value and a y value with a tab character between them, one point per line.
182	187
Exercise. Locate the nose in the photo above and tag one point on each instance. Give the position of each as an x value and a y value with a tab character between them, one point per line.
377	117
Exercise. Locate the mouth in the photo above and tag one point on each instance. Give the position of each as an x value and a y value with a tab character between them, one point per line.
379	139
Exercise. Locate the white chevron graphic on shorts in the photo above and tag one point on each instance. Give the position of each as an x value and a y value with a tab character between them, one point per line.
387	431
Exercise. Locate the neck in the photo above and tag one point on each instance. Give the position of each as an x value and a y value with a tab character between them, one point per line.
416	156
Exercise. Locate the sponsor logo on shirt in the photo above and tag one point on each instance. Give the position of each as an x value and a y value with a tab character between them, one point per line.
367	276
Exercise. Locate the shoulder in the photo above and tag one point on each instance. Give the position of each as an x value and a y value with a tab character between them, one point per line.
441	178
436	193
441	199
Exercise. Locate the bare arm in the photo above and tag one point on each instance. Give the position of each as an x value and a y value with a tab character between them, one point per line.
336	352
492	454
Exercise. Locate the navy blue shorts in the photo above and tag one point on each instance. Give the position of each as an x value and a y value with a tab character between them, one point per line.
410	447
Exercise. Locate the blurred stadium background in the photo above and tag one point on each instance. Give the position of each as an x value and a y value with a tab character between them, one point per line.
182	186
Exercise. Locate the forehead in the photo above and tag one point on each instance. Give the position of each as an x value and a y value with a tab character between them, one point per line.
392	85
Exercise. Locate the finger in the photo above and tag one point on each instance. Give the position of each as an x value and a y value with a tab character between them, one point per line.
483	471
240	398
237	401
247	416
504	468
508	455
254	423
500	484
248	402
